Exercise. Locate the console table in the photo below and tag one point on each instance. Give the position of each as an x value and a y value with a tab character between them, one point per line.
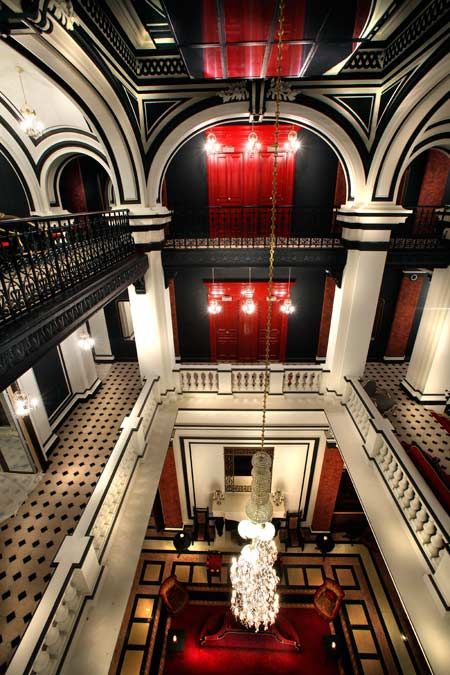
232	507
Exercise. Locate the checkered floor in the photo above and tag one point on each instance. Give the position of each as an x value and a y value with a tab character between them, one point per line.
412	422
30	539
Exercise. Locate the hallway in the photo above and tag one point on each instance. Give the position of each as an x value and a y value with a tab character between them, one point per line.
30	540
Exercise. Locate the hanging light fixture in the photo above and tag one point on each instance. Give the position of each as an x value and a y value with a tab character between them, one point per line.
29	124
212	146
292	144
248	306
214	306
253	145
254	600
287	307
85	341
23	403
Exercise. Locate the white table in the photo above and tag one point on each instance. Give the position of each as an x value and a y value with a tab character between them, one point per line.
233	507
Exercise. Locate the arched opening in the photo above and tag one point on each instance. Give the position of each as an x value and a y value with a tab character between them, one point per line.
219	185
14	200
84	185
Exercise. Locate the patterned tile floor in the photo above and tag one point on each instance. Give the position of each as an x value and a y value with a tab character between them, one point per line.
412	422
30	539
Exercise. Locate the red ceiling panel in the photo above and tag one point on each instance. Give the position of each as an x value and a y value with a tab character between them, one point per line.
246	22
212	56
293	30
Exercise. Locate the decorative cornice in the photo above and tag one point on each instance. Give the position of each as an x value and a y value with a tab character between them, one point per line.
31	338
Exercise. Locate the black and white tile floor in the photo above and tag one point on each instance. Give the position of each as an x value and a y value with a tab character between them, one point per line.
413	423
30	539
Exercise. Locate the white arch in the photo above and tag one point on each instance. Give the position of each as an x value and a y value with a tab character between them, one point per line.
69	62
330	131
57	158
403	125
27	171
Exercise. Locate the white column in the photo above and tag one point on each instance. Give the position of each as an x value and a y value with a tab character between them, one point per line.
354	308
80	365
99	331
428	374
150	311
38	416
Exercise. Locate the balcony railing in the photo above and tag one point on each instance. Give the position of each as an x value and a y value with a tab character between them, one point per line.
41	258
249	226
423	229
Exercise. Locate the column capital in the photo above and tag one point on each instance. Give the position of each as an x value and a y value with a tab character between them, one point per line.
148	224
368	226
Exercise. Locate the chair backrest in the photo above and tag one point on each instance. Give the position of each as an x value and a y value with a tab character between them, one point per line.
370	387
293	520
201	523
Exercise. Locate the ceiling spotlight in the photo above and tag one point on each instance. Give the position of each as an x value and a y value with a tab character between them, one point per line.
292	144
85	341
212	146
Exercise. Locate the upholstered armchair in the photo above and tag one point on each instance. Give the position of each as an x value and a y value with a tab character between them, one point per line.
291	533
173	594
328	598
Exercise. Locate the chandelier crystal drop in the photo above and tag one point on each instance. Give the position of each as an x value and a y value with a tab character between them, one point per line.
248	306
254	600
287	307
214	307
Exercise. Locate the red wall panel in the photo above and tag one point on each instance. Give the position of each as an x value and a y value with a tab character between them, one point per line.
405	310
168	492
330	479
434	179
325	321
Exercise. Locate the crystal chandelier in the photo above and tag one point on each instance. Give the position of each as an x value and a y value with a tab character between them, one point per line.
287	307
254	600
248	306
29	124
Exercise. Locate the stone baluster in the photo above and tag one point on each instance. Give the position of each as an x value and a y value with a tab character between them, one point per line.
428	530
42	663
435	546
407	497
54	640
413	508
420	519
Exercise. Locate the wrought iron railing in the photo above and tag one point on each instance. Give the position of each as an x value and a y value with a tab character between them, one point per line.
422	229
42	257
249	226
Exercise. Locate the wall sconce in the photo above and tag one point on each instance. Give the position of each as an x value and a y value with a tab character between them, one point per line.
85	341
287	307
253	145
214	306
23	404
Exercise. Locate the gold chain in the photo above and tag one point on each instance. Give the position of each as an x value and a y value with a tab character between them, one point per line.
273	217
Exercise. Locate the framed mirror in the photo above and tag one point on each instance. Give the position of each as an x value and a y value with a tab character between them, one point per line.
238	468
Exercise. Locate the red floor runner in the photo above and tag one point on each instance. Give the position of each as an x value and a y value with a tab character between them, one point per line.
196	660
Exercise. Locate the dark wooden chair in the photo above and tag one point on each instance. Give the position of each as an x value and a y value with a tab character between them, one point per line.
174	595
203	530
214	566
291	533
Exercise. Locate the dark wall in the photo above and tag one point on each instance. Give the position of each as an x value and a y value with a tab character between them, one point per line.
13	199
387	302
122	349
193	320
187	181
53	385
82	185
315	172
414	180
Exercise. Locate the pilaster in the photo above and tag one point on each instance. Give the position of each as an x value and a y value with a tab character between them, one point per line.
428	375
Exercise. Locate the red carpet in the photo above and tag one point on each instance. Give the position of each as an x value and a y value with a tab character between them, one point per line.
194	659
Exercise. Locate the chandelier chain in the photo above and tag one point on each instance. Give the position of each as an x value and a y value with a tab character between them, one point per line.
273	217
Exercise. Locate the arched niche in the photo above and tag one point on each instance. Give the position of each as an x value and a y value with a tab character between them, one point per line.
291	113
55	164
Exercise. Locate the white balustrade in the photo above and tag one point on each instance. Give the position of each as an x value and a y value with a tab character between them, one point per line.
406	485
227	378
